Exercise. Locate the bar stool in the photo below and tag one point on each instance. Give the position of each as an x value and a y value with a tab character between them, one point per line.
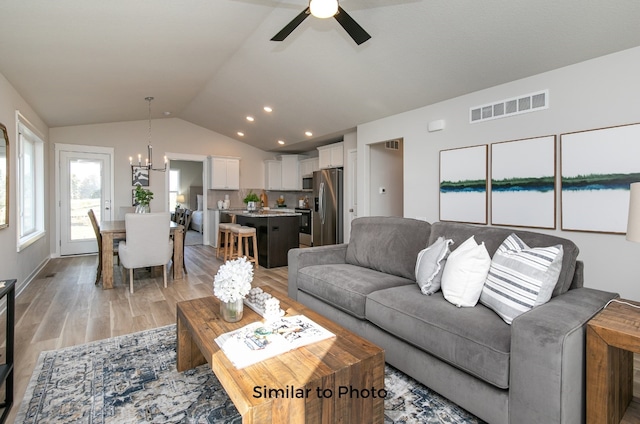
224	229
242	234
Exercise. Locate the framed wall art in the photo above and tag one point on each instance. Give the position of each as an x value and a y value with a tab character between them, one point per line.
463	184
140	176
523	182
597	168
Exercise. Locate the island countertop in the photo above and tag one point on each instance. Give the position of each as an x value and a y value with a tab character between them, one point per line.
269	213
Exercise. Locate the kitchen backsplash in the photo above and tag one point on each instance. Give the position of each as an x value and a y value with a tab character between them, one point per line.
236	196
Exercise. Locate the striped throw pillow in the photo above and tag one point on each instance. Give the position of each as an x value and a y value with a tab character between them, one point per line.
520	277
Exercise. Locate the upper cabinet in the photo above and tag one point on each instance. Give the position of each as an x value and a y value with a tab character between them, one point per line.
291	179
309	166
331	156
283	174
273	175
225	173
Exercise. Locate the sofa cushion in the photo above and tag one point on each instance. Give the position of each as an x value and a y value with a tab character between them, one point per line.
494	236
465	273
430	265
475	340
345	286
387	244
520	277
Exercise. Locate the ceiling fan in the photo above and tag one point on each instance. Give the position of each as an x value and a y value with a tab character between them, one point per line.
326	9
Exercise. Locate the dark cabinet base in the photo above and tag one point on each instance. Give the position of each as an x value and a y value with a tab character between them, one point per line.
276	236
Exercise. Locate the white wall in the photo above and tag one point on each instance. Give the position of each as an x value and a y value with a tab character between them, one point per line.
13	264
598	93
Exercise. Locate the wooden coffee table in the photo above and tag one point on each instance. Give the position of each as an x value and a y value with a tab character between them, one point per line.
340	379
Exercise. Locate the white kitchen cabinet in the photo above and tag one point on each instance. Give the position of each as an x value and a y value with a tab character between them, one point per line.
291	179
309	166
331	156
273	175
283	174
225	173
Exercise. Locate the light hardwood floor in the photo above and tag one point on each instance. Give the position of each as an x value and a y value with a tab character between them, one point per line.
62	307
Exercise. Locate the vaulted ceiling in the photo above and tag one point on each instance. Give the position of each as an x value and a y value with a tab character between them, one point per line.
211	62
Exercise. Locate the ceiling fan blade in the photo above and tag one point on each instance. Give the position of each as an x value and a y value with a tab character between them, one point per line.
356	32
288	29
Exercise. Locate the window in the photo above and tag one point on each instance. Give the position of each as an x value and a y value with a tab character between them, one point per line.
30	190
174	187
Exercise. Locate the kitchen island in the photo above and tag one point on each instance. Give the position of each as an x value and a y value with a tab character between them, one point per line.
277	233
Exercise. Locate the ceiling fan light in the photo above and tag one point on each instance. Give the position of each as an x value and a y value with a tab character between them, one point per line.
323	8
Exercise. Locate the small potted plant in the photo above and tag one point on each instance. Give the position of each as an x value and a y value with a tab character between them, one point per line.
143	196
251	200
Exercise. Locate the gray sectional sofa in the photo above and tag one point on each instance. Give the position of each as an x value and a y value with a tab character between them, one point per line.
532	371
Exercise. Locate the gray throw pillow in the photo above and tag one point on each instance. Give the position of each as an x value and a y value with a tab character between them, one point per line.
521	277
430	265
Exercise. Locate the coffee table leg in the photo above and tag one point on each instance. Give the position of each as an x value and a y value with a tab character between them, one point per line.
188	354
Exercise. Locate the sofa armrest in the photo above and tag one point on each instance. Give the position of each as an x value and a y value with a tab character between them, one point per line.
320	255
548	358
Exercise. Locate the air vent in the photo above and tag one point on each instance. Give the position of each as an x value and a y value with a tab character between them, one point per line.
392	144
515	106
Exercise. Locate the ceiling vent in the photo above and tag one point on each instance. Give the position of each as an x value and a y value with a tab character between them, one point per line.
392	144
515	106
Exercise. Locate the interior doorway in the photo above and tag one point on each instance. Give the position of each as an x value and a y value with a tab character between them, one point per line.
187	189
386	178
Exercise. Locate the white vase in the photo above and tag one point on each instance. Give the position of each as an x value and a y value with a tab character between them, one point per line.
142	208
251	206
232	311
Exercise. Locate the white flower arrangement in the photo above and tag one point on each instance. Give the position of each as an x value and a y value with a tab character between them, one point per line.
233	280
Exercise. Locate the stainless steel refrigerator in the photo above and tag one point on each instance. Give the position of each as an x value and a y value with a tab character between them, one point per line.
327	208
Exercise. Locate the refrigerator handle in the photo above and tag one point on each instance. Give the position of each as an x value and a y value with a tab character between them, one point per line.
321	205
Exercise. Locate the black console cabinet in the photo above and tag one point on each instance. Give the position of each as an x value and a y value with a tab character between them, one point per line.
276	236
6	369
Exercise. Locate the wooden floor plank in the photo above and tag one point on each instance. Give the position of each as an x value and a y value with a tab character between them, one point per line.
62	307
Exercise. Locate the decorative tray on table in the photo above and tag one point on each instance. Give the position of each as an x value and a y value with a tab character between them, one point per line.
263	304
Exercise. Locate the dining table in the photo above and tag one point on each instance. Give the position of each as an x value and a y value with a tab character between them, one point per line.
114	230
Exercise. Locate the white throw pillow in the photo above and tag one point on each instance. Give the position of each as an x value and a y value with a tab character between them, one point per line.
521	277
430	265
465	273
199	199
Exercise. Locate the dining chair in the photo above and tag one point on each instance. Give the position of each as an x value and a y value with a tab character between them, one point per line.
96	229
148	243
178	215
188	213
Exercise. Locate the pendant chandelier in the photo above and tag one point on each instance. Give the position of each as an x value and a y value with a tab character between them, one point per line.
149	160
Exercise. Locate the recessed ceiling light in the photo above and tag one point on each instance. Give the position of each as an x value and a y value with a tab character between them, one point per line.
267	109
308	133
280	142
240	133
250	118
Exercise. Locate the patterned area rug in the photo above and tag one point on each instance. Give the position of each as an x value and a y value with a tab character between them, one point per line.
133	379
